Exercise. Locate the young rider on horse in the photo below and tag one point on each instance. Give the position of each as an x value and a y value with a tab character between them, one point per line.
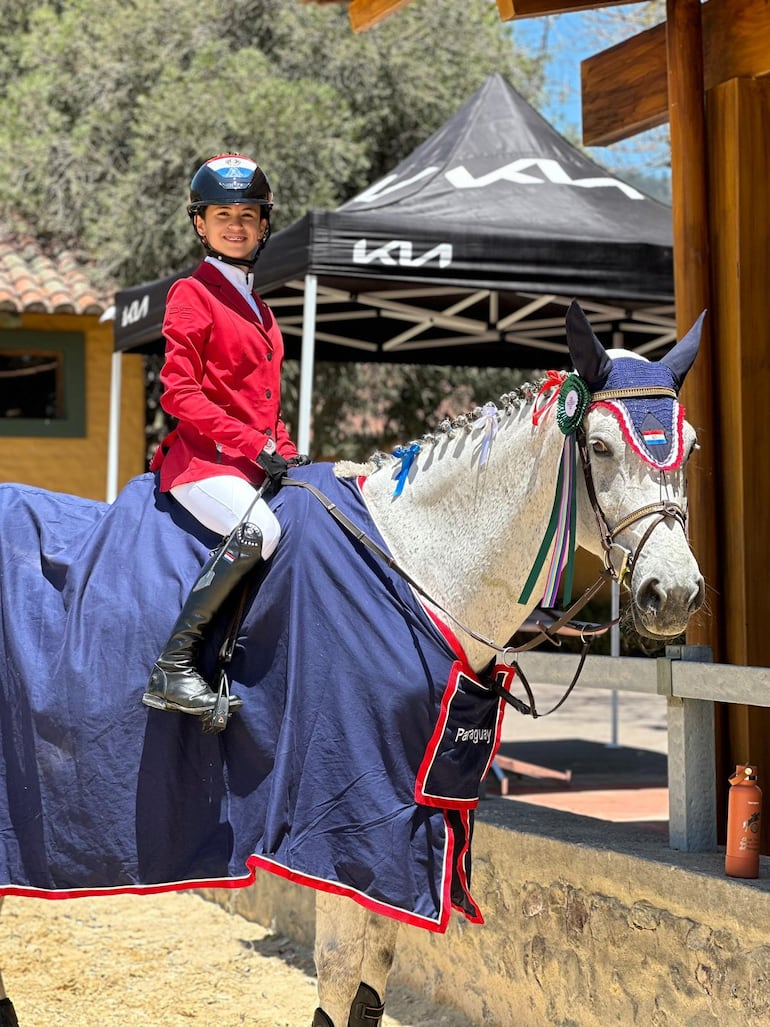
222	382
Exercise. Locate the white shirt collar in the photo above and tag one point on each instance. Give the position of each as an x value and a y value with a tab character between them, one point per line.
235	275
243	282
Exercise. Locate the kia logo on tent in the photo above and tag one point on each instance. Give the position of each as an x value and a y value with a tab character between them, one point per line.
135	311
400	253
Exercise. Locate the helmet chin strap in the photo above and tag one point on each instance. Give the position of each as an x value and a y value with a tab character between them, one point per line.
235	262
248	262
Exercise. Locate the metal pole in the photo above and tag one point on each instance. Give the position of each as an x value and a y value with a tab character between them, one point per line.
307	363
614	651
113	436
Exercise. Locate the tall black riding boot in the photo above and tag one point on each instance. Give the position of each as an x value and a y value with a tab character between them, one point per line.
7	1014
367	1010
175	682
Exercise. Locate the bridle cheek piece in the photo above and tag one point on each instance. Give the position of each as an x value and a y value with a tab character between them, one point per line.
614	569
665	510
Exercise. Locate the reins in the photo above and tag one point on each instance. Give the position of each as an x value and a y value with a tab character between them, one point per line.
509	653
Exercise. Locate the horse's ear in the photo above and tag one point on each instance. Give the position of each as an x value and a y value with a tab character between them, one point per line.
589	357
680	359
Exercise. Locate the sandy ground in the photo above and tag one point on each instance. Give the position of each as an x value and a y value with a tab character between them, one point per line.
171	960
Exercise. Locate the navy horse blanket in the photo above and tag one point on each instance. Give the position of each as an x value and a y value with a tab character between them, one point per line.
354	765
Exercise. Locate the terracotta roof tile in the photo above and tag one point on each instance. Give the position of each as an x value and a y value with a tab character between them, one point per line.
38	277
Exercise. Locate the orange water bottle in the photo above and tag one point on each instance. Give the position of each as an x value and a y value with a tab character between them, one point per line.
744	821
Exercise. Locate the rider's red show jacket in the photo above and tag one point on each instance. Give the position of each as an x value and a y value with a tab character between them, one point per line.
222	381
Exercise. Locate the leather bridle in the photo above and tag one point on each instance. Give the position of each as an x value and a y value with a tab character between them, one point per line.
546	631
661	511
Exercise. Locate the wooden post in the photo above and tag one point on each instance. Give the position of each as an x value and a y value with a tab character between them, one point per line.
692	287
739	152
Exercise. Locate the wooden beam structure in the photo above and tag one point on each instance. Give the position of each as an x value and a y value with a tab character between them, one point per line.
625	88
738	113
511	9
365	14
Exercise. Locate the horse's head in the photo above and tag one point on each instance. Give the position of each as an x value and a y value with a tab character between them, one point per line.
635	443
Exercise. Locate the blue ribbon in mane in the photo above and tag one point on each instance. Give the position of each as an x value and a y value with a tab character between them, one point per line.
406	454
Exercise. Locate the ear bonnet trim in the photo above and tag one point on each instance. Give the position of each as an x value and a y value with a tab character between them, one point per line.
651	436
642	396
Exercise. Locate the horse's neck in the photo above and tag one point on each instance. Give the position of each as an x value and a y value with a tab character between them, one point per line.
468	534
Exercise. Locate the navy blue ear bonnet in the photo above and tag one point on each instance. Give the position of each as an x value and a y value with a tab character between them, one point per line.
641	394
652	424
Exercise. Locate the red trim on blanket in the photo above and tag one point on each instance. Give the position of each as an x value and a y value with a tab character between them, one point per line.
27	892
462	874
451	640
255	863
382	908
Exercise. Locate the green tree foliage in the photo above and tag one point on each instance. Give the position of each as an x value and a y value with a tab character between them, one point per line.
127	98
110	105
393	403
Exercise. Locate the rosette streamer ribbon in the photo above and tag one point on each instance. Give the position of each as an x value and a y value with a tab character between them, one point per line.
572	401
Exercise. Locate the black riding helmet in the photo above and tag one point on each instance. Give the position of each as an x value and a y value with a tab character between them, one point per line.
226	179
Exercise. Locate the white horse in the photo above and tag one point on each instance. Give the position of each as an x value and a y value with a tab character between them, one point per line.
464	514
478	528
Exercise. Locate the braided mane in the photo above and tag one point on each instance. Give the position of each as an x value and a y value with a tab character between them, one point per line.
510	403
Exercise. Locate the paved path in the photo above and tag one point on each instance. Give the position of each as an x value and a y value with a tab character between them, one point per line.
616	758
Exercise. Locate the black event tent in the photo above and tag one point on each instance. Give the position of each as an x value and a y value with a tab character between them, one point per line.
467	253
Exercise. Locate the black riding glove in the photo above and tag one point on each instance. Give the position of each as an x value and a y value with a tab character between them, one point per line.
274	466
300	460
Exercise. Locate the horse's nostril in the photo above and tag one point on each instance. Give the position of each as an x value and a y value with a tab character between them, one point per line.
654	599
652	595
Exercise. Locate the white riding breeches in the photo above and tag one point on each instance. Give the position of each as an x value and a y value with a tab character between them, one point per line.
221	502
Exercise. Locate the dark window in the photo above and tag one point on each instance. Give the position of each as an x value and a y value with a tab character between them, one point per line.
42	387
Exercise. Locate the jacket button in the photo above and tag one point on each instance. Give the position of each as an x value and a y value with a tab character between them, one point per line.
269	356
268	431
268	394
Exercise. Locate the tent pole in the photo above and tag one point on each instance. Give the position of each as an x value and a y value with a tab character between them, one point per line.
306	363
113	436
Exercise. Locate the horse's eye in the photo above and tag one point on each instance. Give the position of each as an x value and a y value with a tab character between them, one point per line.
599	448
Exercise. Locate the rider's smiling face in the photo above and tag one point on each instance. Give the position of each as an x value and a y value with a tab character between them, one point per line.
234	230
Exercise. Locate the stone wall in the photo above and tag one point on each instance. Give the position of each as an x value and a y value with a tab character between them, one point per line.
587	924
